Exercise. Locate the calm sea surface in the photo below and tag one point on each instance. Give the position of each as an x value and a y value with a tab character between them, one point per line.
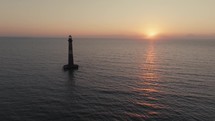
117	80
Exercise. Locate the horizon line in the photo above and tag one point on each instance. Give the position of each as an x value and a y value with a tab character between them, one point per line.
188	36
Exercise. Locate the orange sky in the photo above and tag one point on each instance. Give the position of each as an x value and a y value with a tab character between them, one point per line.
138	18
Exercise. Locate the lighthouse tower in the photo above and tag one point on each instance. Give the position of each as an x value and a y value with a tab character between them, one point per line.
70	65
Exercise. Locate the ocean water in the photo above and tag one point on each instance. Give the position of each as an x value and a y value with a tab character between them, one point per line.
117	80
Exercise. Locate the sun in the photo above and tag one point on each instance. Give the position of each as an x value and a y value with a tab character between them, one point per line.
152	34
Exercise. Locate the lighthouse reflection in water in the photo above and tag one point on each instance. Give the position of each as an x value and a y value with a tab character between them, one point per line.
117	79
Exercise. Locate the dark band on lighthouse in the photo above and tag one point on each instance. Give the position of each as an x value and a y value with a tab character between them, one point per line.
71	65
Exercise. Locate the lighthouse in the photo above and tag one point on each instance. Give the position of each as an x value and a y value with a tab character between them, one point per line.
70	65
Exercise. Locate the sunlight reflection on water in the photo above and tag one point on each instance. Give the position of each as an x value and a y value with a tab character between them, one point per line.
148	85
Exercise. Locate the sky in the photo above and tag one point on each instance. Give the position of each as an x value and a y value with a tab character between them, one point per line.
125	18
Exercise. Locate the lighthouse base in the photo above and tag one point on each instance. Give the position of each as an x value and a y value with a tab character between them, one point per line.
70	67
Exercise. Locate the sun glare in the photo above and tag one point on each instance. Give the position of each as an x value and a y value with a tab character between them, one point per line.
151	34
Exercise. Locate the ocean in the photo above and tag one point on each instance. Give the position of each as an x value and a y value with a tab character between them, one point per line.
117	80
